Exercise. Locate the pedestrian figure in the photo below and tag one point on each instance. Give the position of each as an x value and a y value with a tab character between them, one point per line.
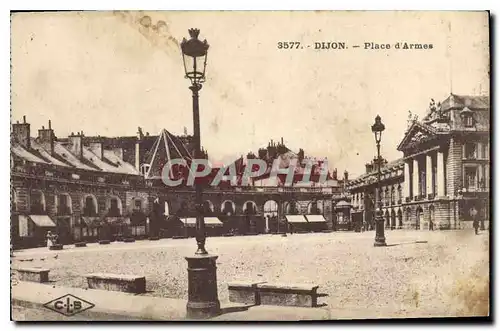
431	225
291	228
475	223
50	239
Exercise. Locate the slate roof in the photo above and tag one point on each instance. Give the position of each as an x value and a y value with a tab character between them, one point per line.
461	101
64	158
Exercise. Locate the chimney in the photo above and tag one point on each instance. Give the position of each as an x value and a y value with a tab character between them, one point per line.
369	167
138	154
46	138
346	176
21	132
75	144
96	148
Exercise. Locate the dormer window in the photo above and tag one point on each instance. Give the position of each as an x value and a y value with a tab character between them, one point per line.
145	169
467	117
468	121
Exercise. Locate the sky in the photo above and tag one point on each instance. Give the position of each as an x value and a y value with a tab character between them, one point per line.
108	73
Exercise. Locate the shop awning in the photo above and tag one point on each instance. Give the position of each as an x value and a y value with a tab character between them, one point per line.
296	219
315	219
42	220
209	221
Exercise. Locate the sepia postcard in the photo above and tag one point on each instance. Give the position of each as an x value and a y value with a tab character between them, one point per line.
250	165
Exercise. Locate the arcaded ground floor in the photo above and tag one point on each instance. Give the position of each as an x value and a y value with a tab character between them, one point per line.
419	273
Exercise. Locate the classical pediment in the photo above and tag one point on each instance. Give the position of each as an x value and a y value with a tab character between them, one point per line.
417	134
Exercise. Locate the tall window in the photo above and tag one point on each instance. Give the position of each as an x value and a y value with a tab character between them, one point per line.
63	207
482	179
250	210
138	204
314	208
113	209
89	209
486	176
470	151
485	151
228	209
37	202
292	208
470	178
392	195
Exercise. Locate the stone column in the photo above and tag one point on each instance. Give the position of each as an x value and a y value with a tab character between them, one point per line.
440	174
428	174
415	178
407	181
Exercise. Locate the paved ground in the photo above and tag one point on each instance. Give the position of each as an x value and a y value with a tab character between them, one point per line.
420	273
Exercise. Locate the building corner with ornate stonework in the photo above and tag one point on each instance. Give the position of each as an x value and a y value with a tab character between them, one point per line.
442	179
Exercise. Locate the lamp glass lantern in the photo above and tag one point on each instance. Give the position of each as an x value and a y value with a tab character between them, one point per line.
194	56
377	128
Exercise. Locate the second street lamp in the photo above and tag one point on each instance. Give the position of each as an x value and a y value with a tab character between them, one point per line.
377	128
203	300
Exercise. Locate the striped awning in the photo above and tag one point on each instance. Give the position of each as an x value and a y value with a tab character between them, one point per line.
296	219
42	220
209	221
315	219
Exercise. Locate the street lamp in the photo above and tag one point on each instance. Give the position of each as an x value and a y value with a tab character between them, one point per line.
377	130
203	301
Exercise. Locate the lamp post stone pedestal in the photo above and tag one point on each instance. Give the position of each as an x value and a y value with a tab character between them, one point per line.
203	300
379	230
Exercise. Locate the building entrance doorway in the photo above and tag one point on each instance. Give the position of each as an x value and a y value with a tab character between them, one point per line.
419	218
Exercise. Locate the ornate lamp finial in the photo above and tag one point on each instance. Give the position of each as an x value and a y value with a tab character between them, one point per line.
194	33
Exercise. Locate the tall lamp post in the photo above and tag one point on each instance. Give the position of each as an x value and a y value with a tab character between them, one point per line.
377	128
203	301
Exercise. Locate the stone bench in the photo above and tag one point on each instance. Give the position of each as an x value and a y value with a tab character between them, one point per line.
117	282
128	240
244	292
37	275
154	238
104	242
298	295
56	247
81	244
